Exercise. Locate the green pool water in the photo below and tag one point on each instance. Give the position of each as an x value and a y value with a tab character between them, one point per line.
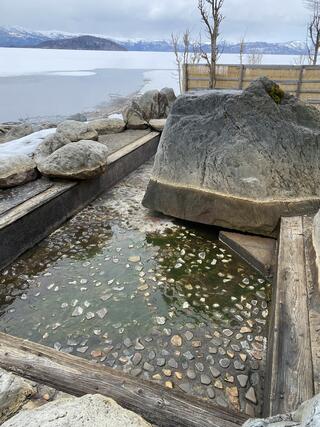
158	299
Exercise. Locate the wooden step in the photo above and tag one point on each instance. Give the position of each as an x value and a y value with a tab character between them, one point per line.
257	251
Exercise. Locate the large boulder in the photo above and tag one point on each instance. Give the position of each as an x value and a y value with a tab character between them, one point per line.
49	145
14	392
18	131
308	415
76	160
89	410
151	105
238	159
16	169
108	125
77	131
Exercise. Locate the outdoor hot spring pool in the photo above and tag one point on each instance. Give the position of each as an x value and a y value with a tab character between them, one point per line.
160	300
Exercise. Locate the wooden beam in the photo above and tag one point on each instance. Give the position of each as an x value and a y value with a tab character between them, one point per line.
77	376
289	353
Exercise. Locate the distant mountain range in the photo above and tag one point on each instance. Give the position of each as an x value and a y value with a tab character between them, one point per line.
20	37
81	43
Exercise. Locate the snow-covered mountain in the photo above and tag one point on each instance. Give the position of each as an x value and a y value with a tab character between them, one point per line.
21	37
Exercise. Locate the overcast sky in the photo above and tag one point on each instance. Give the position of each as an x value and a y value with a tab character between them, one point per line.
265	20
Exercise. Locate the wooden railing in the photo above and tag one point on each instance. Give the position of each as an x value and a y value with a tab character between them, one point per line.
302	81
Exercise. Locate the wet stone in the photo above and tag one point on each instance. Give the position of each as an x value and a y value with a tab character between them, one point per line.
238	365
224	363
176	341
173	363
188	335
137	358
243	380
161	361
211	393
136	372
127	342
251	395
191	374
205	379
148	367
186	387
199	366
188	355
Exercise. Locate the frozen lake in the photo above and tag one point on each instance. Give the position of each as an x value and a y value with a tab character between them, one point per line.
49	83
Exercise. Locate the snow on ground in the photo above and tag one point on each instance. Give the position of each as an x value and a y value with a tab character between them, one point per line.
26	145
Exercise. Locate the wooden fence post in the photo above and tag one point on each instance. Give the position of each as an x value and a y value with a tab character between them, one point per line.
299	84
185	78
241	76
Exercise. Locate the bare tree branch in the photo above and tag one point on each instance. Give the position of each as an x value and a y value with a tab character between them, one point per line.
212	17
313	42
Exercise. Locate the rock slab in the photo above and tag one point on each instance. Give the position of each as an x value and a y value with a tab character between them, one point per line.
152	105
16	169
238	159
76	160
77	131
308	415
14	392
89	410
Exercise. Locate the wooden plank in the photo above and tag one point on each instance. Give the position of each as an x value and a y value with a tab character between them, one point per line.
311	226
132	147
12	197
77	376
289	352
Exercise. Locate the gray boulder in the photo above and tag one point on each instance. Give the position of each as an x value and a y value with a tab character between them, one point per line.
238	159
151	105
76	160
89	410
77	131
106	126
158	124
16	169
308	415
78	117
18	131
49	145
14	392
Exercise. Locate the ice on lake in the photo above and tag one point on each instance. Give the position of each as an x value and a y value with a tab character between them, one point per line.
49	83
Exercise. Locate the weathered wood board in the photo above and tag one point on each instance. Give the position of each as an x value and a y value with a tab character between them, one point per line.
290	354
78	377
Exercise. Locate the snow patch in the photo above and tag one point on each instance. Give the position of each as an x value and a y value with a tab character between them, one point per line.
73	73
26	145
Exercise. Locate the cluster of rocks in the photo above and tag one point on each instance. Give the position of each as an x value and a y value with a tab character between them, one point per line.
74	151
238	159
149	109
307	415
24	402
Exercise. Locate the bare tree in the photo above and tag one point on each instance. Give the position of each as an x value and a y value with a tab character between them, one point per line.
242	47
255	57
313	44
211	15
186	52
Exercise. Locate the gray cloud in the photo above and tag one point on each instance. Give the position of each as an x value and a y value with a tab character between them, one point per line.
269	20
